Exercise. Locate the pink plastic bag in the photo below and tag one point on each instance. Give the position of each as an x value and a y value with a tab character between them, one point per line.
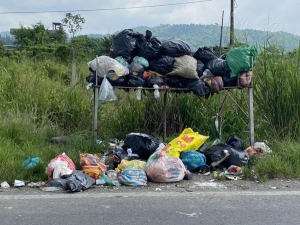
60	165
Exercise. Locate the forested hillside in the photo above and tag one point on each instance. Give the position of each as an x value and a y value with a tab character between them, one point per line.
209	35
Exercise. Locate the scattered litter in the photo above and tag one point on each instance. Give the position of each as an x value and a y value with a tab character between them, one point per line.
188	214
37	184
4	184
157	189
273	187
19	183
52	189
208	184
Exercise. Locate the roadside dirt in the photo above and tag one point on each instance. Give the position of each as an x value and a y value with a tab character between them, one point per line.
198	183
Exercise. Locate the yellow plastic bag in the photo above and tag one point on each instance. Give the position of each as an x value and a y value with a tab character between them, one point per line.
134	164
187	140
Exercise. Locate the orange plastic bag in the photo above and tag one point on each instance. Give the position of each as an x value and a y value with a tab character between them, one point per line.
187	140
60	165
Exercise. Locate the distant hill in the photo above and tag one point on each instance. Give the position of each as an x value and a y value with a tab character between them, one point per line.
198	35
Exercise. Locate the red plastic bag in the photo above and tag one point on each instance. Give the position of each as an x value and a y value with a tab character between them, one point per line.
60	165
161	168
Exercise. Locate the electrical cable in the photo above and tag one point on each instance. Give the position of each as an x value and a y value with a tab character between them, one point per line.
102	9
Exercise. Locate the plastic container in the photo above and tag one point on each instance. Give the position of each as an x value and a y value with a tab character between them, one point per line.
112	175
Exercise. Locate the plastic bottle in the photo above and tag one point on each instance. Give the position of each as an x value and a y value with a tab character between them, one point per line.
156	92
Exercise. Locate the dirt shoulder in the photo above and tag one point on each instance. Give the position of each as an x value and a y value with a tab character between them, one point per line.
198	183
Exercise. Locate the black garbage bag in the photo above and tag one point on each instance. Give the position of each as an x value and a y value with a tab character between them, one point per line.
218	67
141	144
149	47
121	81
135	67
91	78
235	142
175	81
229	81
198	87
154	79
124	44
200	68
175	47
162	64
205	54
216	152
134	81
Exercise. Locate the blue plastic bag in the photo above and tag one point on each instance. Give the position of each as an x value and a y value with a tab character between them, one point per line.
192	159
31	162
133	177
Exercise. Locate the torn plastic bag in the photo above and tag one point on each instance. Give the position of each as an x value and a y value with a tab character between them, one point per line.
121	81
59	166
185	66
162	65
175	47
198	87
149	47
218	67
79	181
216	152
106	92
161	168
124	44
142	144
205	54
105	65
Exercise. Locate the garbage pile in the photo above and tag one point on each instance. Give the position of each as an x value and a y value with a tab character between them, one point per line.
139	60
141	158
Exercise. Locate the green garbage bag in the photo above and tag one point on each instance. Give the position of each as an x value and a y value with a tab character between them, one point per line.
239	59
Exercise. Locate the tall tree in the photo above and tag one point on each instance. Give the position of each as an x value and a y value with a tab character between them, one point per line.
73	23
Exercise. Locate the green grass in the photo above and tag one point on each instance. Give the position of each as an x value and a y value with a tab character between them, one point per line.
38	102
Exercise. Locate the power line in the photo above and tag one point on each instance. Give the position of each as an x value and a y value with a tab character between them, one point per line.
102	9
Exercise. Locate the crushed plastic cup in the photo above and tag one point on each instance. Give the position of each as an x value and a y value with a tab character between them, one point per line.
4	184
19	183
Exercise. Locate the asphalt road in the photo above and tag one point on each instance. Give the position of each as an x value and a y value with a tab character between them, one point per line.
222	207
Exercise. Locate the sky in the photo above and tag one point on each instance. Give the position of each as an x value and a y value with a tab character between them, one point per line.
266	15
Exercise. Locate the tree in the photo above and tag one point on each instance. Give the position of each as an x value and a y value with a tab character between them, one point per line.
73	22
37	35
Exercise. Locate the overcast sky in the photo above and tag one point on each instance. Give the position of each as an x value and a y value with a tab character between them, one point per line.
267	15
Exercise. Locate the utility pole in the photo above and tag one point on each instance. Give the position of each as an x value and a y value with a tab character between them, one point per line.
231	43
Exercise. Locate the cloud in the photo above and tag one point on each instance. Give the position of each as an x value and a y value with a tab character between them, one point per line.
267	14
